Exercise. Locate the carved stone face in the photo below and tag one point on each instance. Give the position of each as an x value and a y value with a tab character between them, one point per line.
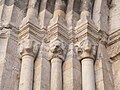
56	47
28	46
87	47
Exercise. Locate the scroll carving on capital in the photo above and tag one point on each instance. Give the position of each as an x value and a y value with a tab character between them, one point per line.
86	50
57	49
28	47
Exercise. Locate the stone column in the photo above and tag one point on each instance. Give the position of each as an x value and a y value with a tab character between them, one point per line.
56	74
56	65
86	53
86	9
32	13
28	52
32	8
60	8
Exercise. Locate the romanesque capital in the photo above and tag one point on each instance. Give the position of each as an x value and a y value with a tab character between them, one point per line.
28	47
103	37
86	50
57	50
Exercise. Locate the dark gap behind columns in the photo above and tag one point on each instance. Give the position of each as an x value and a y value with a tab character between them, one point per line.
93	2
76	6
9	2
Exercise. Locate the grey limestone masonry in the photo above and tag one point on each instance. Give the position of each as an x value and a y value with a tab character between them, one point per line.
59	44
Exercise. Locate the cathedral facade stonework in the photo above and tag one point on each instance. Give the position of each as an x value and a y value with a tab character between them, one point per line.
59	44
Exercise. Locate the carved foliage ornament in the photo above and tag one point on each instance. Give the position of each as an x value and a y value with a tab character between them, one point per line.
86	50
28	47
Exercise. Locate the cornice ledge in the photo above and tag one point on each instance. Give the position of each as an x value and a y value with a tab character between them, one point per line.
57	21
86	23
57	25
31	29
114	37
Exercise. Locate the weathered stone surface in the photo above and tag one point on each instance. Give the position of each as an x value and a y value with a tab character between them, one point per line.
59	44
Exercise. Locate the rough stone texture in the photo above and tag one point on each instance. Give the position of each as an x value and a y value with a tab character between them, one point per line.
69	45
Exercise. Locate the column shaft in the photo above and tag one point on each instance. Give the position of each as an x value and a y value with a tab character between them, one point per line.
88	81
56	74
26	77
32	8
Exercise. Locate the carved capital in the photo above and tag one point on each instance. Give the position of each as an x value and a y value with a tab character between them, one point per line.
28	47
57	50
86	50
103	37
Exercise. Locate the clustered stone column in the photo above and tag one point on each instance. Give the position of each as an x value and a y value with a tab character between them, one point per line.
28	51
86	53
57	58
